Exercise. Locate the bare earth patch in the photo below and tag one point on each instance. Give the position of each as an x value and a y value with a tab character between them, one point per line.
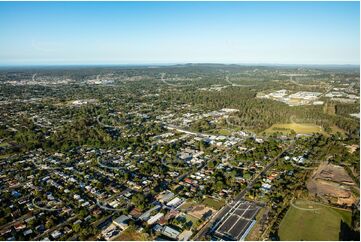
352	148
333	173
199	210
131	235
332	182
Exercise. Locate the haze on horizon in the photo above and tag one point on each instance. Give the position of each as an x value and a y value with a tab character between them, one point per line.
34	33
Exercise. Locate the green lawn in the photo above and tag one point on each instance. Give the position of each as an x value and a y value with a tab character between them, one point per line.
224	132
189	203
212	203
131	235
299	128
192	219
4	144
323	224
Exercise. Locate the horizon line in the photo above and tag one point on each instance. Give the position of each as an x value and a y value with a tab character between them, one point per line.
180	63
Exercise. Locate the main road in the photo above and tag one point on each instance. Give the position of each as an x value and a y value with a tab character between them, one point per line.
221	213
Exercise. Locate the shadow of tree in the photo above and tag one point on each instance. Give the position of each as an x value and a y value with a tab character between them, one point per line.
347	233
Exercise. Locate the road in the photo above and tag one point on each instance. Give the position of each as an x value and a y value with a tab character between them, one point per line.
46	209
221	214
33	77
12	223
327	91
181	130
181	177
237	85
171	84
71	219
106	125
173	127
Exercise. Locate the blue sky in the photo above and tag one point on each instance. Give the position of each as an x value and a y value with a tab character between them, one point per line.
179	32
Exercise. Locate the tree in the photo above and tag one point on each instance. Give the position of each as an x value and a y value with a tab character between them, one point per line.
219	185
49	223
138	200
76	228
211	164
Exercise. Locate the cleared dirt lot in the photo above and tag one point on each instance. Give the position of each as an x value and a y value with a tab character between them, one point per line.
333	173
333	183
209	206
201	210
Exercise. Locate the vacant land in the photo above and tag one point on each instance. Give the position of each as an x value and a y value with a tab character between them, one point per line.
334	173
332	182
131	234
299	128
213	203
196	210
256	230
187	205
311	221
191	219
199	211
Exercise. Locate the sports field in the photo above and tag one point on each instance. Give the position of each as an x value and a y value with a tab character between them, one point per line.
310	221
299	128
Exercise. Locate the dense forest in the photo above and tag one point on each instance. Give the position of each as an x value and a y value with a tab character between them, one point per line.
259	114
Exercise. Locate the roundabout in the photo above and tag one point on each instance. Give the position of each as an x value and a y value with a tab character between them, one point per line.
38	205
172	84
172	164
110	167
106	125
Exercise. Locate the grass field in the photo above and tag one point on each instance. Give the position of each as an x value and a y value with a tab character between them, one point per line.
320	224
209	202
299	128
4	144
189	203
224	132
212	203
192	219
255	231
131	235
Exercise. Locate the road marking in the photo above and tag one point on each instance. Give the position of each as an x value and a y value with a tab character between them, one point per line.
238	218
231	212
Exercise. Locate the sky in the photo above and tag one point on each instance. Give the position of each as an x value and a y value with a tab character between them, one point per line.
51	33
